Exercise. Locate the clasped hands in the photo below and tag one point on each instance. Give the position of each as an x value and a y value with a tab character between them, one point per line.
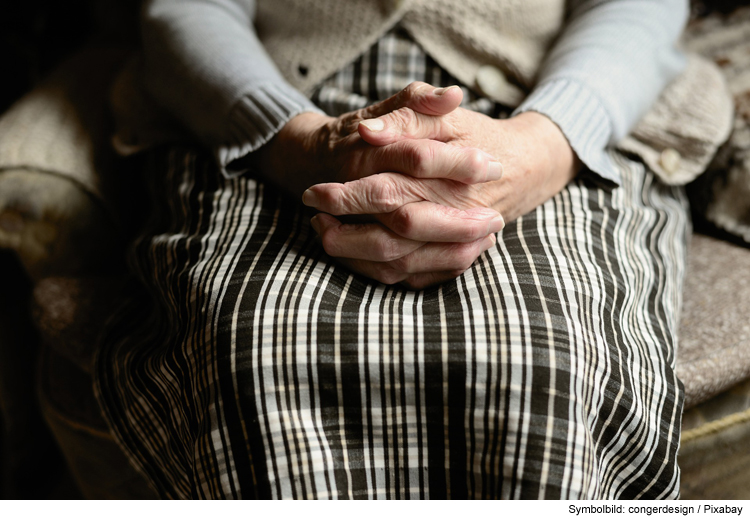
427	182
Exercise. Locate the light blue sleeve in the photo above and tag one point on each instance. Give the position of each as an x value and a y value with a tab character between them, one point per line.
206	65
606	69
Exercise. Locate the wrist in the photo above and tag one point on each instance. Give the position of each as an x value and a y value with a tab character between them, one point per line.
562	158
289	150
302	126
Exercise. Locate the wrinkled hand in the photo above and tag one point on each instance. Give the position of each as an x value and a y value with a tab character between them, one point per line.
313	148
381	254
538	162
536	157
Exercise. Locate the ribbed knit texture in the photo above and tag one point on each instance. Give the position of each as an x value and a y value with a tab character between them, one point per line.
255	119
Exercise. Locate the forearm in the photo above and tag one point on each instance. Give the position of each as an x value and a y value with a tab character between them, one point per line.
206	65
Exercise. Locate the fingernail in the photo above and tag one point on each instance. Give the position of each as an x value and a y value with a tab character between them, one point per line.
310	199
494	171
497	224
373	125
442	91
315	223
488	242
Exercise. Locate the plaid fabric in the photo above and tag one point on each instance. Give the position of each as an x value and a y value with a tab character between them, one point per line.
249	364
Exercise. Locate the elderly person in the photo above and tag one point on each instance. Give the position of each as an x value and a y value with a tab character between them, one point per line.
480	294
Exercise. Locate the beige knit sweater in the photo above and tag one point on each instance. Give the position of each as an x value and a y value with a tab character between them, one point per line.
310	40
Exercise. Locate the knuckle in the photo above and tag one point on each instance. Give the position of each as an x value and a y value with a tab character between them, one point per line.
475	230
359	115
476	165
388	249
350	124
388	275
330	243
333	201
413	89
404	118
418	158
341	128
330	143
402	265
385	195
403	222
323	141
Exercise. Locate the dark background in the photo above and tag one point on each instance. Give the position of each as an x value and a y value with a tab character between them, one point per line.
35	35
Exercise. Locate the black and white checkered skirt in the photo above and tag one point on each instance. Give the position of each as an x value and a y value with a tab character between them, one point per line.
249	364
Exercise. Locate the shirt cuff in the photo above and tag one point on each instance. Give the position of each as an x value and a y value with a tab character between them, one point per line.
255	118
582	119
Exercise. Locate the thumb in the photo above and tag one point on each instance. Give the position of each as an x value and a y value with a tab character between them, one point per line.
420	97
405	123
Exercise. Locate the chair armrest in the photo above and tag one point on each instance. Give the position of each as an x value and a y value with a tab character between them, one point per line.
60	198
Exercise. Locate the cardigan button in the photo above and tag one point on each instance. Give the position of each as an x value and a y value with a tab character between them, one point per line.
493	83
669	159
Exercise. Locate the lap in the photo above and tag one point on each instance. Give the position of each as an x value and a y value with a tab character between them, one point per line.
252	365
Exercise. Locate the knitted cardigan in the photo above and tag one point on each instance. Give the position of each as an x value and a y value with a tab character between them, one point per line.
607	72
